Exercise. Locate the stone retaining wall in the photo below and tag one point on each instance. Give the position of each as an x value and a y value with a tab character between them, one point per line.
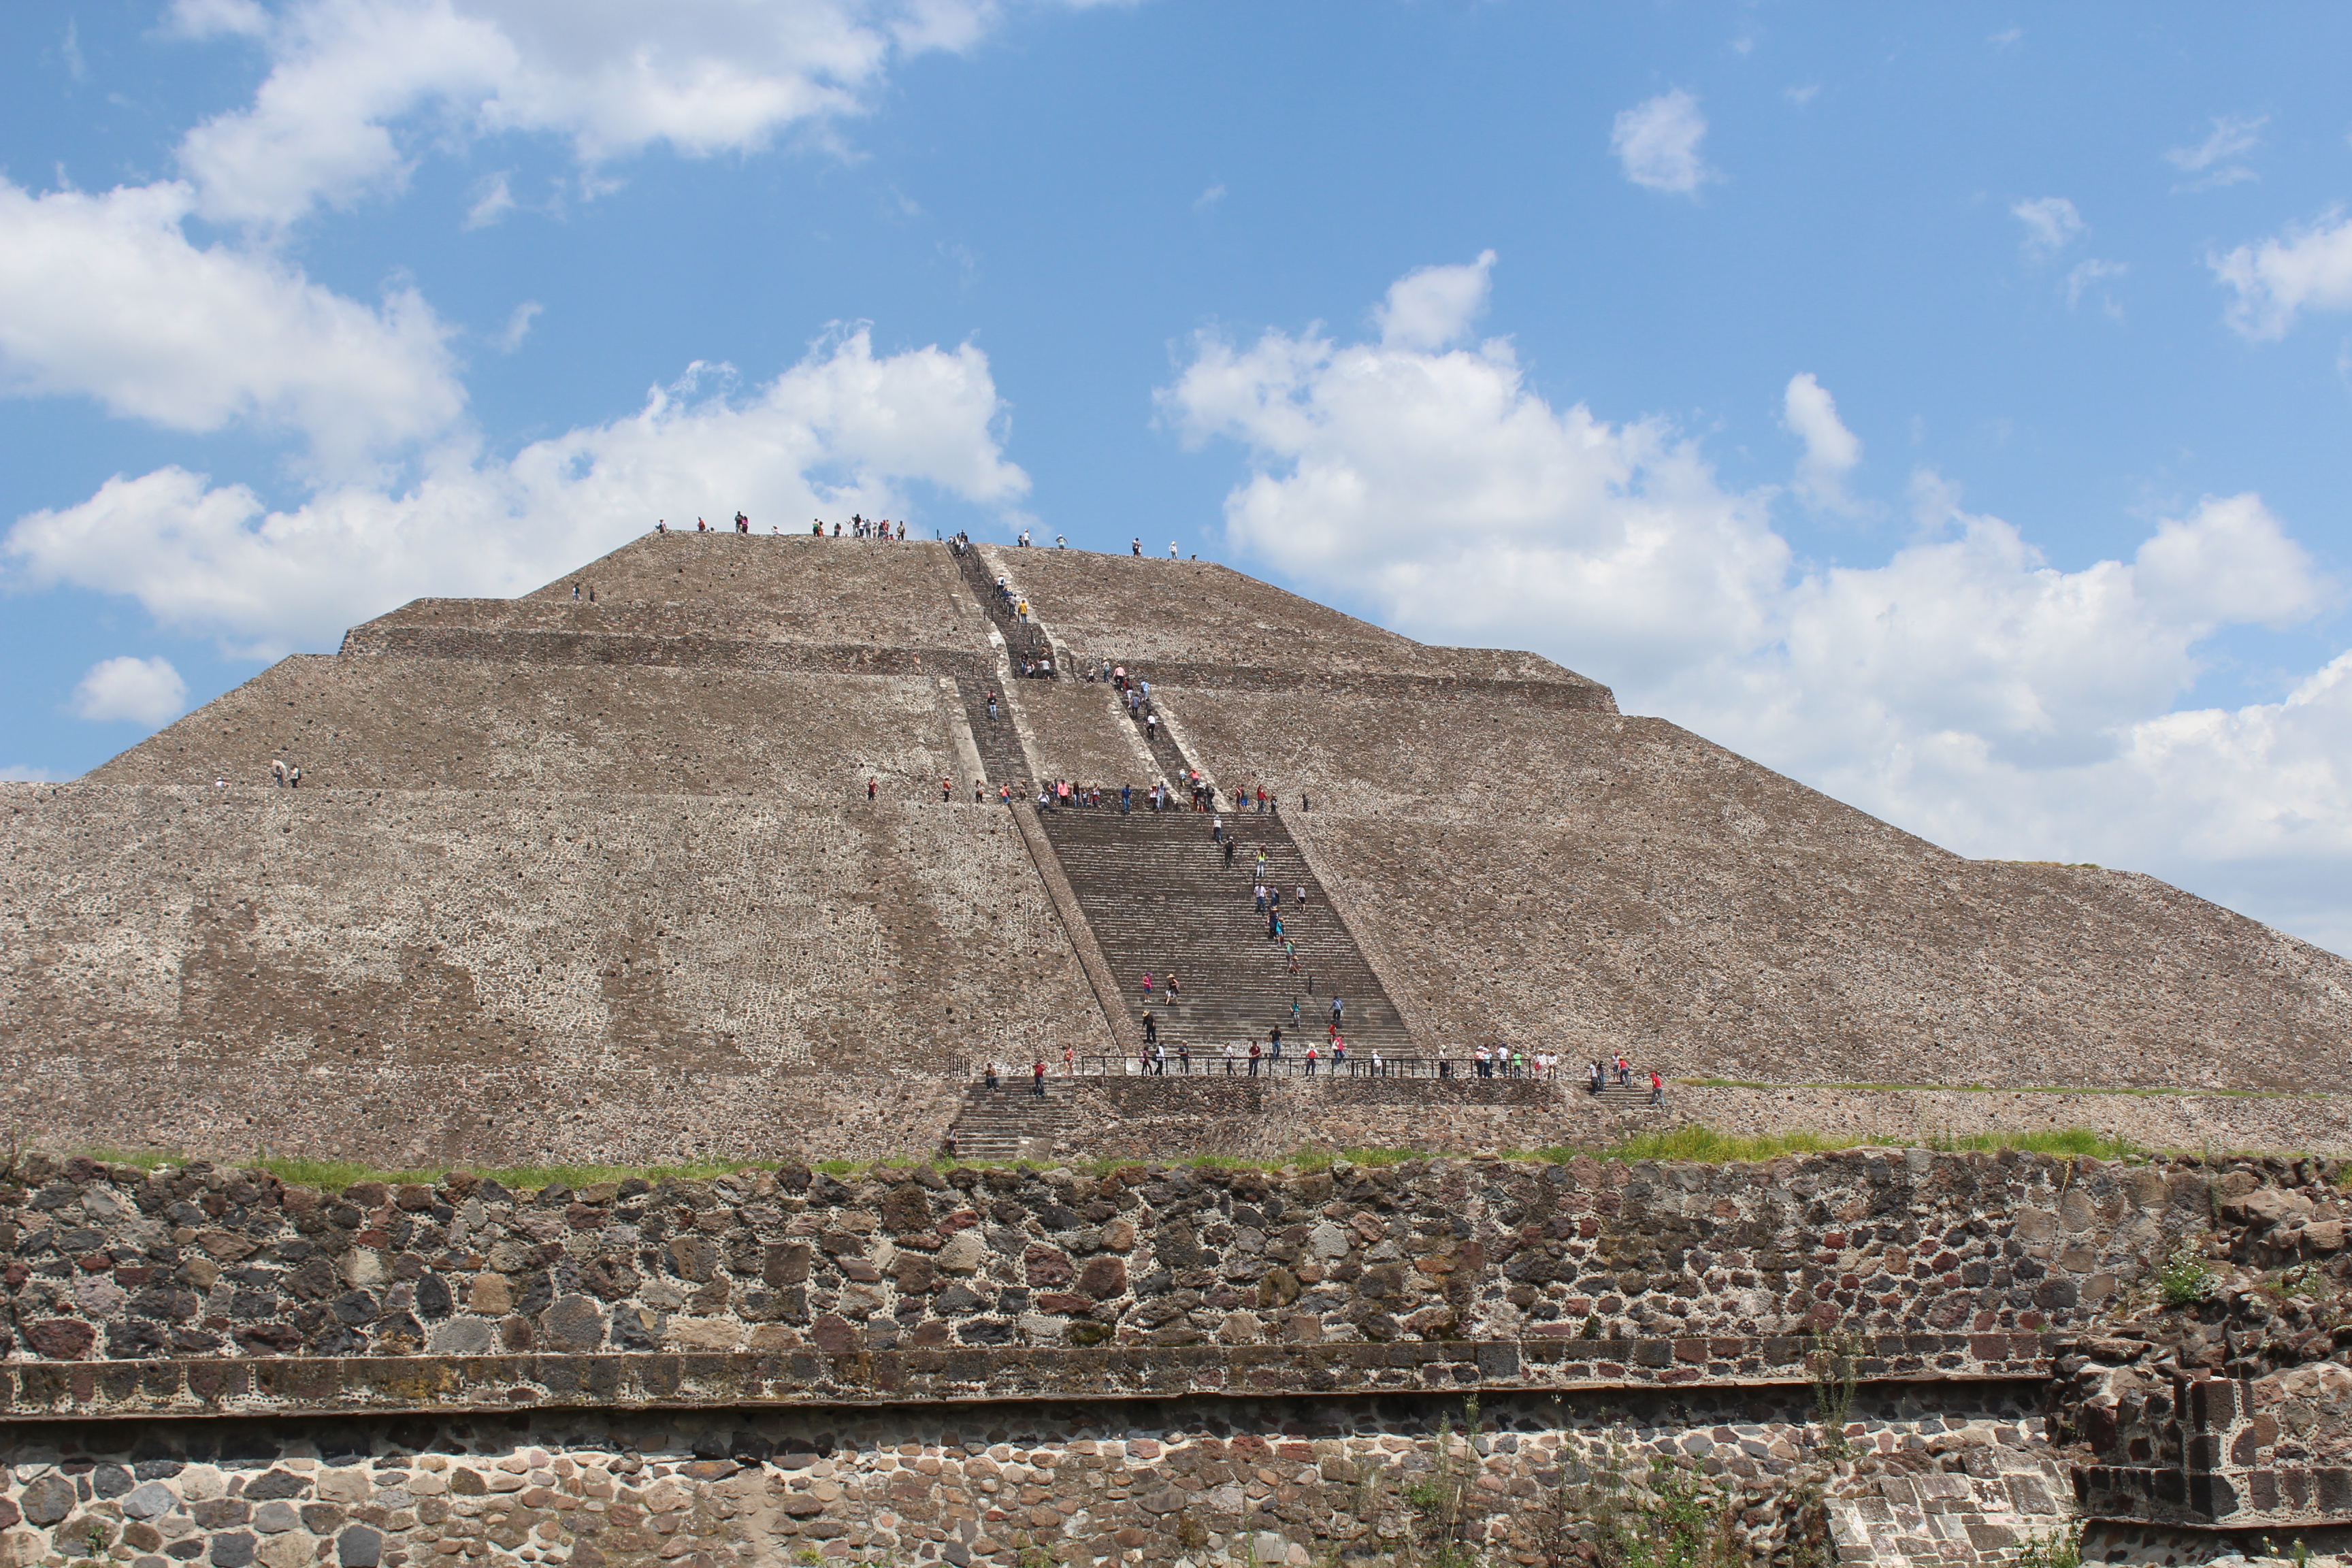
1286	1481
112	1262
1271	1118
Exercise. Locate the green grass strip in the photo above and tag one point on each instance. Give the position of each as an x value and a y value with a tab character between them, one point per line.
1694	1143
2012	1089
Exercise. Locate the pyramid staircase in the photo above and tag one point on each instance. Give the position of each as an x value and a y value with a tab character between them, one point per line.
1159	897
999	742
1173	764
1575	1087
1021	641
1009	1121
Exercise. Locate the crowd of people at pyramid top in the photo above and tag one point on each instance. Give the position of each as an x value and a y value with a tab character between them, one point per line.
1135	546
885	532
879	530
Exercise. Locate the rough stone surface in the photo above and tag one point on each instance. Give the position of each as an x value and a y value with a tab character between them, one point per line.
598	881
1216	1481
502	977
1443	1253
1127	1115
404	723
1161	1445
1161	618
1590	881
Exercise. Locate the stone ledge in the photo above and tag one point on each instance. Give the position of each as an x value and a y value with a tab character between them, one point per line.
302	1385
2294	1497
691	650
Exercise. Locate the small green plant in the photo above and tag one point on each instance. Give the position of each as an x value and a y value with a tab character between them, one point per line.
1437	1535
2184	1280
94	1540
2302	1279
1672	1519
1835	1364
2061	1548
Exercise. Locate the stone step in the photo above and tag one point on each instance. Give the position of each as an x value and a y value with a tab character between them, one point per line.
1612	1096
1159	895
996	1123
999	742
1022	639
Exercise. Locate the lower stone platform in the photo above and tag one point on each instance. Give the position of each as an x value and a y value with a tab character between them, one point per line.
1287	1480
321	1385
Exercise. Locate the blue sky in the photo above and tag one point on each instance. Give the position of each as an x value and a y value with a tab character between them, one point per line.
1945	404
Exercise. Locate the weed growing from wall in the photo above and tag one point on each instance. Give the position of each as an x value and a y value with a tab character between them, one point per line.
2185	1279
2061	1548
1834	1364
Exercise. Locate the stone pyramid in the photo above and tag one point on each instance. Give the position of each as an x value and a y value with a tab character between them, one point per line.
598	878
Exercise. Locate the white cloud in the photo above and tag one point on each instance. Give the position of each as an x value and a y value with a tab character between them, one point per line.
143	691
24	773
1801	95
1436	485
1965	687
1831	451
2214	162
216	18
519	325
1657	141
1209	197
842	430
332	121
2051	224
2084	276
2274	279
492	201
1432	308
103	296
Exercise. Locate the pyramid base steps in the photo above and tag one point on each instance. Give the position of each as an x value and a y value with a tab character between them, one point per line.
1011	1120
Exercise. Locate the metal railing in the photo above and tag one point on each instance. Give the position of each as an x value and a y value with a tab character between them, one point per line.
1291	1063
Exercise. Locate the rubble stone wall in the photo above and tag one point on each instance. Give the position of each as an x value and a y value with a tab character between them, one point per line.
1698	1262
1132	1116
782	1366
1270	1481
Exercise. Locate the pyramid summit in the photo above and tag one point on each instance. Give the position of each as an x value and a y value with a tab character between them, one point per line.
702	849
